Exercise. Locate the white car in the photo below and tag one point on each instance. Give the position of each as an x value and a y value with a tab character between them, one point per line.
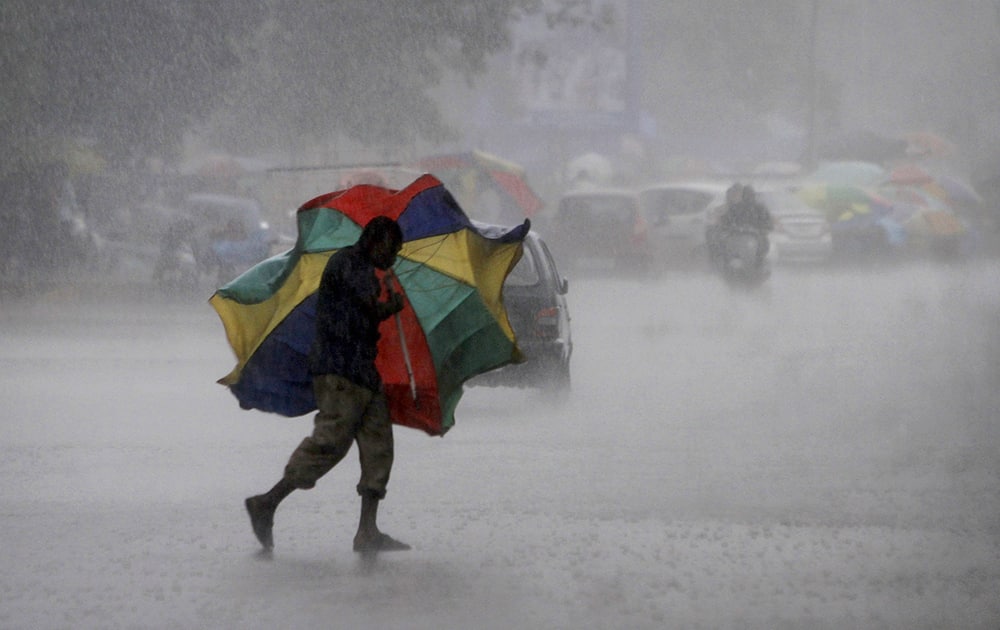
678	213
801	233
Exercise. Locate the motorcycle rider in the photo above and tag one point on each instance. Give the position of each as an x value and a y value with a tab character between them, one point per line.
714	231
746	213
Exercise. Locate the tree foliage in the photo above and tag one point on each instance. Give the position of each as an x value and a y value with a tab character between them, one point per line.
136	74
359	70
131	73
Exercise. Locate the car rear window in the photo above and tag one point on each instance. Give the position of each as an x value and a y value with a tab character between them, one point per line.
525	273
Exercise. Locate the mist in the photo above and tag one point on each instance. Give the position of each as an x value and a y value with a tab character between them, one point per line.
819	451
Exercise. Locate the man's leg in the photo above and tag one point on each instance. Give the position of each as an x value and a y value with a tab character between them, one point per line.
375	450
261	510
341	405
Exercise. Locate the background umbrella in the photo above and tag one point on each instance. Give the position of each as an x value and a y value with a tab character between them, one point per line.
451	272
949	189
856	214
927	216
849	173
473	174
957	191
909	175
928	144
836	200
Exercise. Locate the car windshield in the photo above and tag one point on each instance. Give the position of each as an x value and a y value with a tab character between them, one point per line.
606	210
675	202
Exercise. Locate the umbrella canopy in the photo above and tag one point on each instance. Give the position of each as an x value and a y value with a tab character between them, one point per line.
928	144
840	201
956	191
453	326
910	175
469	172
855	209
914	196
948	189
926	214
850	173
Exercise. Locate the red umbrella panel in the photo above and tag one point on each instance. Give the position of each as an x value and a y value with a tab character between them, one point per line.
472	174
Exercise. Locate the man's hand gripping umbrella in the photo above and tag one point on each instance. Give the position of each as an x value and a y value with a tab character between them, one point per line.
391	281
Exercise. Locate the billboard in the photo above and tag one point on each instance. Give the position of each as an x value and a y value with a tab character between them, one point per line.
576	69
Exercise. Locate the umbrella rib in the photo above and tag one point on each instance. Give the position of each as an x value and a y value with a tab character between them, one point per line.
437	245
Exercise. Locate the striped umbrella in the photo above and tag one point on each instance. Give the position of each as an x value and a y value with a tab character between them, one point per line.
453	325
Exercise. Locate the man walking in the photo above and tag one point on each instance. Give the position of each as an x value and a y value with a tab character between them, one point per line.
348	389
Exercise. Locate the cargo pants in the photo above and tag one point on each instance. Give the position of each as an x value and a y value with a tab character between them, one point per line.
347	413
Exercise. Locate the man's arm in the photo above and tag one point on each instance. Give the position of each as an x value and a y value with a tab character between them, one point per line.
392	304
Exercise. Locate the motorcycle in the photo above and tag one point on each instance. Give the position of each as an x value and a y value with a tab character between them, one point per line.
740	255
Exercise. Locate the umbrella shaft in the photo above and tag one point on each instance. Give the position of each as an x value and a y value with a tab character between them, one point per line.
406	357
402	343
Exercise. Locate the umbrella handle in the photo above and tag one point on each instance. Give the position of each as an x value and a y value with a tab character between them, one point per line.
402	342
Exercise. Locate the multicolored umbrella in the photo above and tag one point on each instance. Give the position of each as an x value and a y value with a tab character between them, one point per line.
849	173
928	217
932	202
453	326
839	202
909	175
854	210
928	144
956	191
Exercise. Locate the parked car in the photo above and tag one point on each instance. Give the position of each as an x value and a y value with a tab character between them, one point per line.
600	229
801	233
678	213
214	235
535	297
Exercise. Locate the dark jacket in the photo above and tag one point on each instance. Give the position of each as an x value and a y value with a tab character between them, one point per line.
348	314
747	214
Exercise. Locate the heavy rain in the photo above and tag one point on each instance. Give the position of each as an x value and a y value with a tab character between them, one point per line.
814	445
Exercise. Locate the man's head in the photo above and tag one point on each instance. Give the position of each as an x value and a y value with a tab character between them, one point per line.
734	193
381	239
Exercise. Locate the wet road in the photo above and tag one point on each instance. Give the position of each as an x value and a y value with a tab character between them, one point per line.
822	453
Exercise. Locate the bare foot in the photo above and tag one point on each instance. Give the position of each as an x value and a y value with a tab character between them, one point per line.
378	542
262	520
